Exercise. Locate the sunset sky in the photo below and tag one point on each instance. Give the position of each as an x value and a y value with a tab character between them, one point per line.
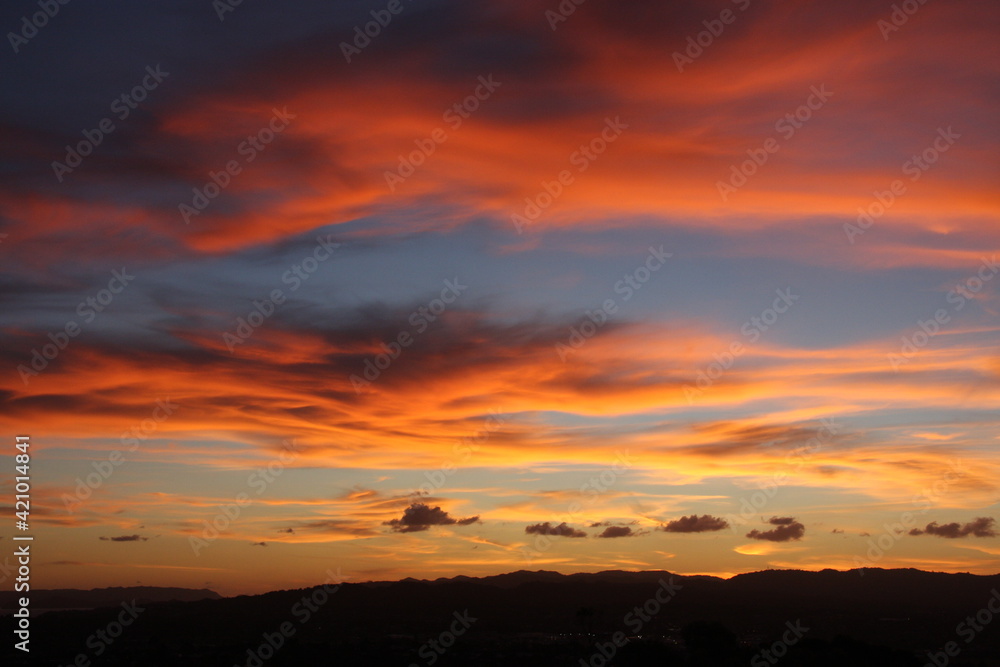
713	284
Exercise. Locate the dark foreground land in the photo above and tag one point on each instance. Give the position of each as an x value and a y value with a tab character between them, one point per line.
882	618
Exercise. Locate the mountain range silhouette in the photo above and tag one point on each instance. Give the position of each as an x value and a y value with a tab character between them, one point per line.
888	618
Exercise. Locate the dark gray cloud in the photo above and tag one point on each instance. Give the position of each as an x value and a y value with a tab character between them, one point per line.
696	524
979	527
562	530
787	529
125	538
418	517
781	520
618	531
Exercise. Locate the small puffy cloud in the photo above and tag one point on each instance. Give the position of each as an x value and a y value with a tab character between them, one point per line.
290	531
562	530
125	538
618	531
259	544
696	524
786	529
980	527
781	520
419	516
837	531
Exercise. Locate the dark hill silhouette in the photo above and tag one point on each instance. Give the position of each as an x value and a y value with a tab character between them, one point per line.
72	598
887	618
